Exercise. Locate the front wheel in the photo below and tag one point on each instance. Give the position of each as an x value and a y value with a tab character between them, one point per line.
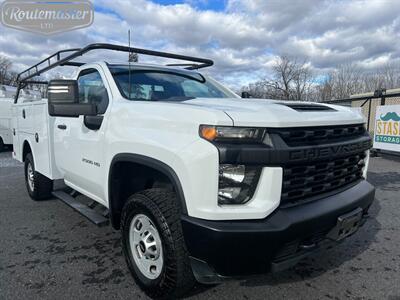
39	187
153	244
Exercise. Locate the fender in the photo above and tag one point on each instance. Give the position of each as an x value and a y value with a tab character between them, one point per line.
151	163
28	142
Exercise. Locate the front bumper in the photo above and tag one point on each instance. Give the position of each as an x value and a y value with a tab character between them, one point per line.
238	248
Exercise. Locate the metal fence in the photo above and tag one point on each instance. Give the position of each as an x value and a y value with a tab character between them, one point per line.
368	103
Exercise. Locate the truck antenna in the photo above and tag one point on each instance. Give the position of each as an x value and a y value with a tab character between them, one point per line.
129	63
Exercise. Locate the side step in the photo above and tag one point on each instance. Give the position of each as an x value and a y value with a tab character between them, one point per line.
83	209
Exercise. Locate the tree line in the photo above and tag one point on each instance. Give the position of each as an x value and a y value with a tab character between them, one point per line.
9	77
294	79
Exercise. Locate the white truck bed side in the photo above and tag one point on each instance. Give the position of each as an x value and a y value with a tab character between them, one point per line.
34	126
5	120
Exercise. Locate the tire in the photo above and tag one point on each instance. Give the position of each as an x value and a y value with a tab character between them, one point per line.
39	187
175	277
1	145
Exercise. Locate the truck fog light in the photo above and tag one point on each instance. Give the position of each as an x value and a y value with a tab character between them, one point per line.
233	172
237	183
366	162
229	193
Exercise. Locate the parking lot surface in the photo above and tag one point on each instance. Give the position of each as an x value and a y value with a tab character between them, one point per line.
48	251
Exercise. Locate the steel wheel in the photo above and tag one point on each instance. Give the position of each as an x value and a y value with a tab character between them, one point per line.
39	187
30	177
146	246
153	244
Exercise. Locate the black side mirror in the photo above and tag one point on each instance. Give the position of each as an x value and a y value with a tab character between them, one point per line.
63	100
63	92
246	94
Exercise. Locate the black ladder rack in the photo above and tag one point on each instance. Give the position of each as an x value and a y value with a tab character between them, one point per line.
47	64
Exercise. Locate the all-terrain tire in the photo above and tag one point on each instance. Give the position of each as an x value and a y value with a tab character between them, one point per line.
162	208
39	186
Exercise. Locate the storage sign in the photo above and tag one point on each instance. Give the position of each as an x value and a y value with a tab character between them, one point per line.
387	128
47	17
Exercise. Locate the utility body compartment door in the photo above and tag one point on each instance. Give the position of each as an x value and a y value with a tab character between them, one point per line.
41	137
5	120
33	124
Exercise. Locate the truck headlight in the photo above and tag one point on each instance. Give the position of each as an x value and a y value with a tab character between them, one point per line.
232	134
237	183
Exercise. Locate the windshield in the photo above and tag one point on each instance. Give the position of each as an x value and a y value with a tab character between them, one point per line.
168	85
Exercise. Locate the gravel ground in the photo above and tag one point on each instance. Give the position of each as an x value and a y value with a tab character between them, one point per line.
48	251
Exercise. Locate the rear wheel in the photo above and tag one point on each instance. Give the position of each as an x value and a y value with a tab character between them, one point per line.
1	145
153	244
39	187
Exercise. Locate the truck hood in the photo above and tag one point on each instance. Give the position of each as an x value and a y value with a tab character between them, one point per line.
277	113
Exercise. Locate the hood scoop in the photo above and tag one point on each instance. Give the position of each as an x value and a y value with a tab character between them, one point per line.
307	107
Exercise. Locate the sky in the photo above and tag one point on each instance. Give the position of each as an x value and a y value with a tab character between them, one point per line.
243	37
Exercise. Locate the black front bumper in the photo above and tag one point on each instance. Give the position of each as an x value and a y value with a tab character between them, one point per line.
237	248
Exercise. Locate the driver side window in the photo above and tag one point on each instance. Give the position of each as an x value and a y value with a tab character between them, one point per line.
92	90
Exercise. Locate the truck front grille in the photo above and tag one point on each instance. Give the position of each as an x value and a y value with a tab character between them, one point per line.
309	136
306	181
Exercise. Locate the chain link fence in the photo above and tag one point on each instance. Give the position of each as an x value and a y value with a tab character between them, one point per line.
369	102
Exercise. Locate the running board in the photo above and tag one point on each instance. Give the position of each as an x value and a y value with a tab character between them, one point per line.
83	209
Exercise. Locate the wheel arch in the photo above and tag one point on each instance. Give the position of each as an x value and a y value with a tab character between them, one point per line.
26	148
116	201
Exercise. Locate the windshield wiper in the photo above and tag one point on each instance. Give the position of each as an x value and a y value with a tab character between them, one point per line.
139	99
176	98
179	98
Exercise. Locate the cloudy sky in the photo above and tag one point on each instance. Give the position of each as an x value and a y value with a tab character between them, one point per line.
243	37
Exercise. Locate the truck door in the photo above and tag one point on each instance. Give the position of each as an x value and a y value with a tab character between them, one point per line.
79	150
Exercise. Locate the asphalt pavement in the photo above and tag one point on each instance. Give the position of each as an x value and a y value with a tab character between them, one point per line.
49	251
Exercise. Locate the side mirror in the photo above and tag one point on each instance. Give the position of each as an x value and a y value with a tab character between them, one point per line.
63	100
63	92
246	94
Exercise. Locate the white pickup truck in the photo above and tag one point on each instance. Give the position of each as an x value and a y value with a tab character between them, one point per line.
203	184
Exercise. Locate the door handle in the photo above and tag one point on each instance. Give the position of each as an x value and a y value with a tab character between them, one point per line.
23	113
62	126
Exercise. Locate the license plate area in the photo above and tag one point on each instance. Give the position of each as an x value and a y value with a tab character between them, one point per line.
346	225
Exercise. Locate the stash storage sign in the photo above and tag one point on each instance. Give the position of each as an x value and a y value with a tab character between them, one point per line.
387	128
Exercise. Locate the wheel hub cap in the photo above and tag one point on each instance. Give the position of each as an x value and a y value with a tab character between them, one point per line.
30	175
146	247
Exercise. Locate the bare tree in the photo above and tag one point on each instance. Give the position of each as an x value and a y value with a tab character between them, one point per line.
389	76
5	65
290	79
324	90
346	80
303	83
285	72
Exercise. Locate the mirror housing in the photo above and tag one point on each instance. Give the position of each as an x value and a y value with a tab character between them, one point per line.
62	91
246	94
63	100
72	110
